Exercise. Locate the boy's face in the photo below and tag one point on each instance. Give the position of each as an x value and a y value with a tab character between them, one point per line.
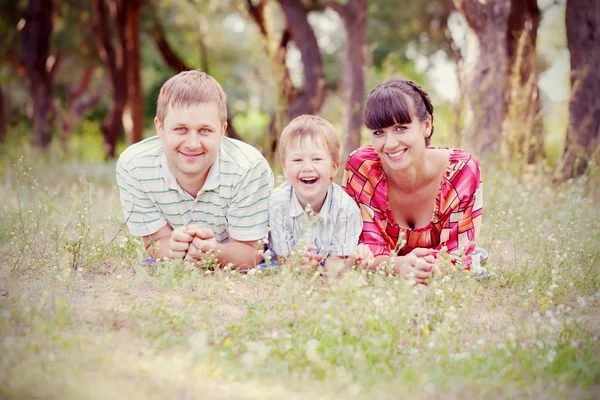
191	138
309	168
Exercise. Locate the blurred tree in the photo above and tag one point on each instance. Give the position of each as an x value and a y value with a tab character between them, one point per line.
2	117
35	57
486	78
522	133
311	97
133	111
583	132
354	16
177	64
121	55
114	57
286	92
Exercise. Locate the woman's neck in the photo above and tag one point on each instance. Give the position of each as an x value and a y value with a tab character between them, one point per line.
413	177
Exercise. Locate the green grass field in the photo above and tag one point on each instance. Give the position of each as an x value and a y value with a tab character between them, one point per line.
80	318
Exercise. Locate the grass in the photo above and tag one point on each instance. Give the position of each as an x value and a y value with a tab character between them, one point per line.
81	318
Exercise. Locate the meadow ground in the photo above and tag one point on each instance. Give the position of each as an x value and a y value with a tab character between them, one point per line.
81	318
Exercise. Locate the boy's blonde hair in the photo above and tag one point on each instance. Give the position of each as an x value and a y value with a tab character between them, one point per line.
190	88
317	128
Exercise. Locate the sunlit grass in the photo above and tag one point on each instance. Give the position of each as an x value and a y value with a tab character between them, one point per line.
82	318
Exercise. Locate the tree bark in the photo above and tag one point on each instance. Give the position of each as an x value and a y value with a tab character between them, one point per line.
133	112
312	96
35	50
583	131
486	75
354	15
114	58
523	134
80	100
2	117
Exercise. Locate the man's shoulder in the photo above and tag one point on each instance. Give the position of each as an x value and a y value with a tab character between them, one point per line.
237	154
144	153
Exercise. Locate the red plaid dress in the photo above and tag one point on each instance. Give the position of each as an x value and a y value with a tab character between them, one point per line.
458	202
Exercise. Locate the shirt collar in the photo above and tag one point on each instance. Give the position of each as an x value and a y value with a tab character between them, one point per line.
296	208
212	179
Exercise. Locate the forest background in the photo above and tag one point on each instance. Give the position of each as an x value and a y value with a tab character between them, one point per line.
514	81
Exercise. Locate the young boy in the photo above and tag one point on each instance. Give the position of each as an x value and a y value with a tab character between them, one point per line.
309	215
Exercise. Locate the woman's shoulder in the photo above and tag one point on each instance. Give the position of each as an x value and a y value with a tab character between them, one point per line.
465	162
363	158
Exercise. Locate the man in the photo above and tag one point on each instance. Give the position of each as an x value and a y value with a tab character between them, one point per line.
190	191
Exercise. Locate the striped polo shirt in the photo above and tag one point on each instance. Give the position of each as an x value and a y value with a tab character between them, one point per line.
233	201
334	231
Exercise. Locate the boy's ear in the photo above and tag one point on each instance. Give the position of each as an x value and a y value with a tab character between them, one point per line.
334	171
224	128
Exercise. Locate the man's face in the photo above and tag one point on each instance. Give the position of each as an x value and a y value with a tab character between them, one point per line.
191	138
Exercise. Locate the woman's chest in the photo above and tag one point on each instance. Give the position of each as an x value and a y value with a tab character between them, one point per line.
414	210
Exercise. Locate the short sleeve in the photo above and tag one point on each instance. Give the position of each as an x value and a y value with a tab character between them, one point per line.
141	213
281	241
247	215
347	228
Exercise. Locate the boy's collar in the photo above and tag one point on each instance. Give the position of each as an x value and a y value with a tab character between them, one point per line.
296	208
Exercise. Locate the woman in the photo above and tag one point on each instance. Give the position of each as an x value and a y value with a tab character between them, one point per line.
414	199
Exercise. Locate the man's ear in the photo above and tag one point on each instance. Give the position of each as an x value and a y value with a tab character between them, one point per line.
159	127
224	128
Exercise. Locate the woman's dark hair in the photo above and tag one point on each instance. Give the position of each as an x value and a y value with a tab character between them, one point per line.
388	104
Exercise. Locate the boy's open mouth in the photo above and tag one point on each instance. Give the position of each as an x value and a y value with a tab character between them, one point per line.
308	181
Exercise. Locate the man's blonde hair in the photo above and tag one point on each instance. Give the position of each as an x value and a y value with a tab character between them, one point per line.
190	88
316	128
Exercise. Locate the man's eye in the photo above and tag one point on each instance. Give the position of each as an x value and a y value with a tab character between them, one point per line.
205	130
180	129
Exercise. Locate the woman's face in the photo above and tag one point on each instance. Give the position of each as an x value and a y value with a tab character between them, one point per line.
400	145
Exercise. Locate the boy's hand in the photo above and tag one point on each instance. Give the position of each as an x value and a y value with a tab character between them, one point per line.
363	256
310	260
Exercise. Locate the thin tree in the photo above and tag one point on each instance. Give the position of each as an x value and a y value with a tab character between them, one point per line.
133	112
486	78
523	134
354	16
583	131
35	53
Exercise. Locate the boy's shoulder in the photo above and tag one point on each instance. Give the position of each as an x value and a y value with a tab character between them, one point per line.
341	199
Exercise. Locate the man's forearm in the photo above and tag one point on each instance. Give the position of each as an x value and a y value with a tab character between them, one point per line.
241	255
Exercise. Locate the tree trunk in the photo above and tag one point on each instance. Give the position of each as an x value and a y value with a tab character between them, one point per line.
312	96
2	117
583	131
354	15
35	50
523	134
80	100
486	74
114	58
133	113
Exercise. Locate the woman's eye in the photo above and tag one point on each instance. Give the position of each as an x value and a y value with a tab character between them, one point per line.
377	133
401	128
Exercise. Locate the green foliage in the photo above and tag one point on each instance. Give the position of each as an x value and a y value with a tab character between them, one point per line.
252	126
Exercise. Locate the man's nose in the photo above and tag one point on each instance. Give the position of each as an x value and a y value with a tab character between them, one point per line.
193	141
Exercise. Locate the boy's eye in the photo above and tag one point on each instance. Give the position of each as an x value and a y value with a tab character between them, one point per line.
317	159
297	160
